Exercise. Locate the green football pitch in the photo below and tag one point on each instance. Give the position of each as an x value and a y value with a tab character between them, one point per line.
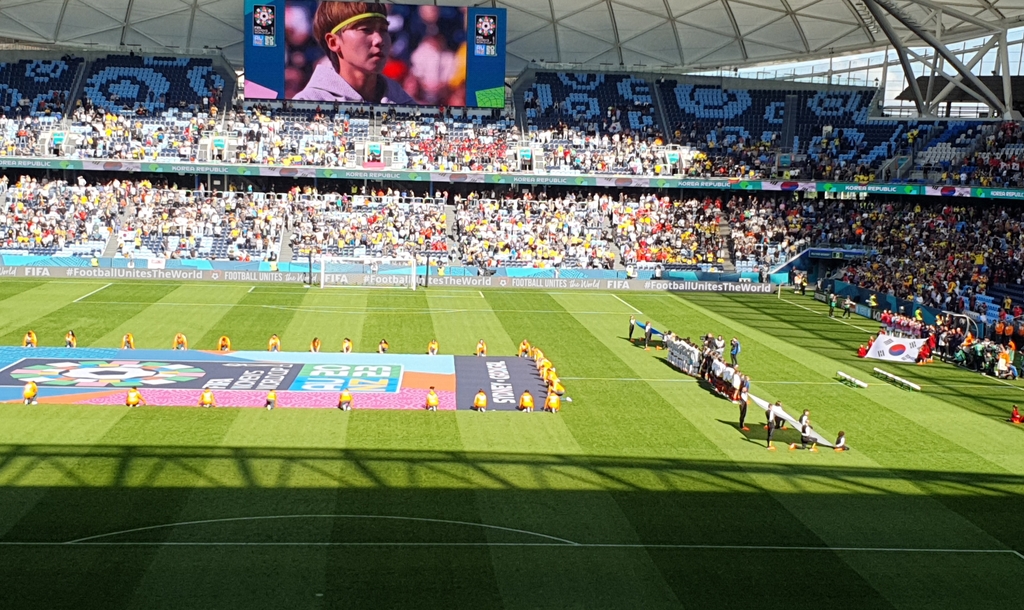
642	493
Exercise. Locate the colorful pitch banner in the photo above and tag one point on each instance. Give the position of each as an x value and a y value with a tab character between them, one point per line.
100	376
504	379
895	349
333	51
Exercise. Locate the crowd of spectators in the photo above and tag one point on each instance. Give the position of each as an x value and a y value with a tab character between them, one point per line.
926	251
176	223
997	162
384	223
45	217
519	229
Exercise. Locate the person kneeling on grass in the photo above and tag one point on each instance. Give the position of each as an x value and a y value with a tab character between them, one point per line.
841	442
274	344
271	400
29	340
526	402
480	401
432	400
345	401
524	349
346	346
127	341
70	340
553	403
180	342
206	399
30	393
432	347
134	398
1015	417
383	346
224	344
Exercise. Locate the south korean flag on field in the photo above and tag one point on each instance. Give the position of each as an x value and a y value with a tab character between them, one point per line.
895	349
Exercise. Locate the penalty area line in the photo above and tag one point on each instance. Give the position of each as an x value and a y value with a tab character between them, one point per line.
84	296
619	299
822	313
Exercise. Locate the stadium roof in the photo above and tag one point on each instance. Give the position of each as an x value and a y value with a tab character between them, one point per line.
692	34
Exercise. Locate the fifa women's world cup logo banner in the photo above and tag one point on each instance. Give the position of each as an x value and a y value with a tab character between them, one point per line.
264	26
176	378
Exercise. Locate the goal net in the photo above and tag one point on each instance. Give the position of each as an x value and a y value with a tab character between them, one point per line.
342	271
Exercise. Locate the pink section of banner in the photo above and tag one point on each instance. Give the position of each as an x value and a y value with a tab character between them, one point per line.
406	399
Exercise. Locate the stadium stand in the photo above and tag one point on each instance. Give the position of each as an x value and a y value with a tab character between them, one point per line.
36	87
56	218
130	83
163	223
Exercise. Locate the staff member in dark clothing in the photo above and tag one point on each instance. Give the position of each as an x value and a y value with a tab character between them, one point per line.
632	326
648	333
744	399
774	421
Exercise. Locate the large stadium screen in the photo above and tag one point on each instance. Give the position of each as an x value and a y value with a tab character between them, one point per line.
335	51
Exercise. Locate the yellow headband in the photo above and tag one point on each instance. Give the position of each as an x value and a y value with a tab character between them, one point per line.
358	17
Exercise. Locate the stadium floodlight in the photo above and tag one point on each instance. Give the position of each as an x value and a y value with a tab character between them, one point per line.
344	271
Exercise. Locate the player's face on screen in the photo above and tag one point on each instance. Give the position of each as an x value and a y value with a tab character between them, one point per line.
364	45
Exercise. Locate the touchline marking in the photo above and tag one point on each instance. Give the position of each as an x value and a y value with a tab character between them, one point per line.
91	293
562	541
573	545
619	299
251	289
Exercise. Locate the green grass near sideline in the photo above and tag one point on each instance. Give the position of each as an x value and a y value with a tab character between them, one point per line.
642	493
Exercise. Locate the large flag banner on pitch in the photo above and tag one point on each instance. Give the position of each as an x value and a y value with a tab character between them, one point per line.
895	349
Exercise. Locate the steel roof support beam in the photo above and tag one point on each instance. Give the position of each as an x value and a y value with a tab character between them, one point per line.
1004	71
901	52
957	81
990	98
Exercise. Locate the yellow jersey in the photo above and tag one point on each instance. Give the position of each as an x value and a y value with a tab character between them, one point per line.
480	400
432	399
31	390
134	397
526	401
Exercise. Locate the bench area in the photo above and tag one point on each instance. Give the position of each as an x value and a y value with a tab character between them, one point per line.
849	380
893	379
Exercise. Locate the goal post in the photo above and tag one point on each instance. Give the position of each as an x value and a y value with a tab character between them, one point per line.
376	271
